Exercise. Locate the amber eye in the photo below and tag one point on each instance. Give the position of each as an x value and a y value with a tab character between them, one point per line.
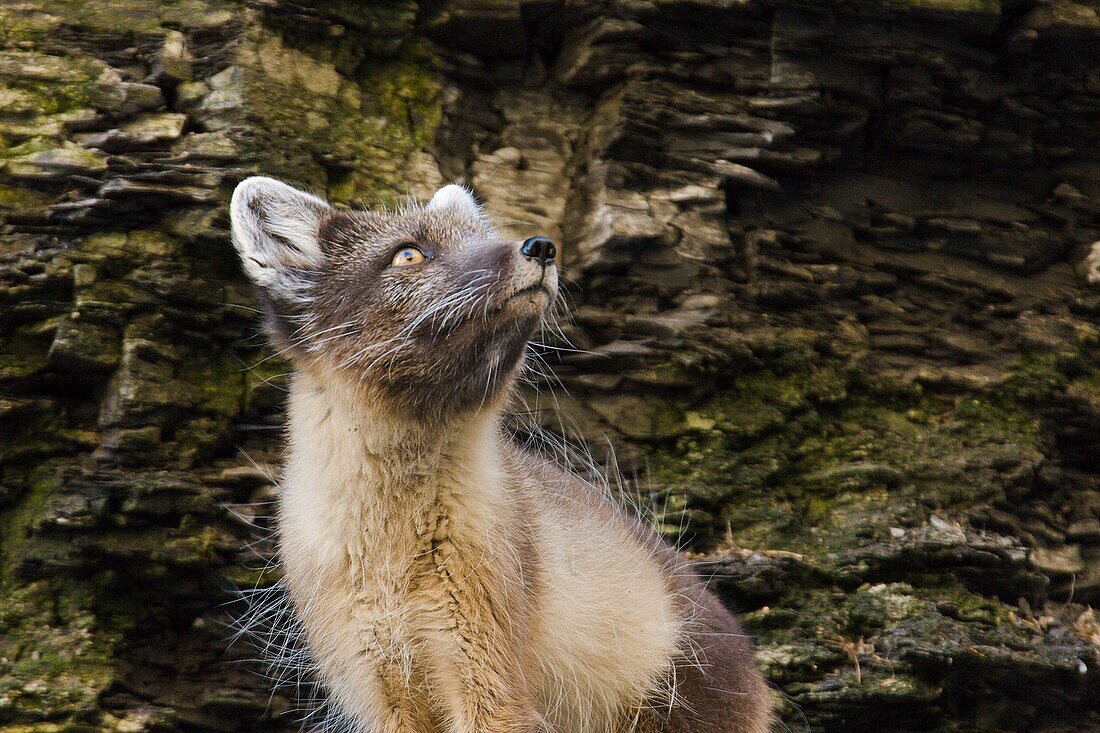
407	256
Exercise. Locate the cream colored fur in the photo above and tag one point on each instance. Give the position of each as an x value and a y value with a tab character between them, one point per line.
438	588
446	581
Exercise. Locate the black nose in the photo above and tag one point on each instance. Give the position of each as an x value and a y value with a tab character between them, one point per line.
538	247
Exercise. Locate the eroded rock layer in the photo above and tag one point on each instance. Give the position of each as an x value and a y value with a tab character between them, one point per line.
832	272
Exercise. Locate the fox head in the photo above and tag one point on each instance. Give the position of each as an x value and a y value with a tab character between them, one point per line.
424	308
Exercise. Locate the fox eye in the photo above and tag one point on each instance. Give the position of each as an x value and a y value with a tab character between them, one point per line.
408	255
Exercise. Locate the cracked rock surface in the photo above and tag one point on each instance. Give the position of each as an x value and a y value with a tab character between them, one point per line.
833	275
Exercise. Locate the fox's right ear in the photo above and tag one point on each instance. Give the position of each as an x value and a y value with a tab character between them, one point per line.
275	231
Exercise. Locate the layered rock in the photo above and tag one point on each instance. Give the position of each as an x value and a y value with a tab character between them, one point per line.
831	278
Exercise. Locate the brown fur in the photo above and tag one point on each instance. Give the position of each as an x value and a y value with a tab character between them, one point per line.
446	579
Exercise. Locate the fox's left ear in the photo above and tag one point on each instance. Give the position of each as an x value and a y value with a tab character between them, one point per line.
276	232
458	198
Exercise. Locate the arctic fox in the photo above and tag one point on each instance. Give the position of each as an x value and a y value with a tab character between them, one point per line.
446	579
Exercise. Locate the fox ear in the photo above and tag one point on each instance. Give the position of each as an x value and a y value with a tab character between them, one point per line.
275	231
458	198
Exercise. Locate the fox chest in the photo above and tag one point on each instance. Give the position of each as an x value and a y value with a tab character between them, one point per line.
397	607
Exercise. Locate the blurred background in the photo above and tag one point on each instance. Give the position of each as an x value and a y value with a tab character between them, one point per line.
834	280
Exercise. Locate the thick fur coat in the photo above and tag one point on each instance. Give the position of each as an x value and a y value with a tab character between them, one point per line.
446	579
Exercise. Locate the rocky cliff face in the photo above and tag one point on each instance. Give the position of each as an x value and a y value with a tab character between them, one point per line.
833	289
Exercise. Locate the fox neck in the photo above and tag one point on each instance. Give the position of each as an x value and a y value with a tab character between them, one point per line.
321	401
361	480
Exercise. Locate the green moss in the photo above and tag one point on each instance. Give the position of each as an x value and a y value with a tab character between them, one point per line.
817	459
405	90
1038	374
128	248
21	358
215	383
818	642
37	19
197	549
55	659
876	607
350	135
43	94
17	198
971	608
39	485
1035	376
